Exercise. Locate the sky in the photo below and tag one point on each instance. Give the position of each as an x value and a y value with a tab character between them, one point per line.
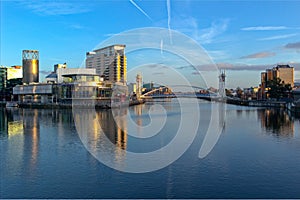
193	37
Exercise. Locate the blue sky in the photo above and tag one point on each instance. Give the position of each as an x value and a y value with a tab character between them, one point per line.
245	37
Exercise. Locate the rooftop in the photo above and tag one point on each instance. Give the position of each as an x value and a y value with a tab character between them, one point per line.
283	66
52	75
121	45
70	75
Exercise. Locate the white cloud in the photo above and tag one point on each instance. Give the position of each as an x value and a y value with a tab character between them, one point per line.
218	27
56	7
190	26
276	37
184	24
76	26
264	54
264	28
217	54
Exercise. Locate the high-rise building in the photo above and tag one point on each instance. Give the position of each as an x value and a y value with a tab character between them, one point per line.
139	85
263	79
30	66
284	72
9	77
3	78
14	72
270	74
109	62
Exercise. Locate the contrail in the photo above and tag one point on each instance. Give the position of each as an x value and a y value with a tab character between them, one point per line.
140	9
169	19
161	46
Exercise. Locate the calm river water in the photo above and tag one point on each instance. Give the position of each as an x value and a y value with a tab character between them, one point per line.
256	156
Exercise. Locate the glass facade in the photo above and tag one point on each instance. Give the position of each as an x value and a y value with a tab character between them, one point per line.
7	82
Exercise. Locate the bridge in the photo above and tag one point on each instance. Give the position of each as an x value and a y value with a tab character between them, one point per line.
167	92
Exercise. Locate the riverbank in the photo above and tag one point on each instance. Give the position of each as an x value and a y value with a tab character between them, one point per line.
254	103
291	106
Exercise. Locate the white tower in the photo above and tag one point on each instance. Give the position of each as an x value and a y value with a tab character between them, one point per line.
138	86
222	76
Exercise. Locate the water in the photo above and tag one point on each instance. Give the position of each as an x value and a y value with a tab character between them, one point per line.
256	156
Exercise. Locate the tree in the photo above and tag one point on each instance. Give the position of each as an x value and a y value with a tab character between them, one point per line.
239	92
278	89
228	93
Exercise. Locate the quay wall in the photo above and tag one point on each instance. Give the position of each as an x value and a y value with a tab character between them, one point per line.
103	104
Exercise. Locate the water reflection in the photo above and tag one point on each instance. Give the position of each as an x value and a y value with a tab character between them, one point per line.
11	122
22	128
222	116
31	128
103	131
138	111
215	129
143	117
116	128
44	158
3	123
277	122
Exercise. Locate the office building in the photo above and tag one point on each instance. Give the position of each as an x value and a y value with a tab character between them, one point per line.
14	72
263	86
284	72
3	77
9	77
109	62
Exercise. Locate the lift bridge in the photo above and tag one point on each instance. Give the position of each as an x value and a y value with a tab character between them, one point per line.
169	92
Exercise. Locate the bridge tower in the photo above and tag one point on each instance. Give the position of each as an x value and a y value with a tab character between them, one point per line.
222	76
139	85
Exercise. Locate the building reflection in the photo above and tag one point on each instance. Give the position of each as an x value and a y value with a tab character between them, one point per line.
3	123
21	127
138	111
114	124
141	112
103	131
222	115
31	130
277	122
11	122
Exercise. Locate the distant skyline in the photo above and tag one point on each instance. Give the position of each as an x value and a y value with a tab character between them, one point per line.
244	37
